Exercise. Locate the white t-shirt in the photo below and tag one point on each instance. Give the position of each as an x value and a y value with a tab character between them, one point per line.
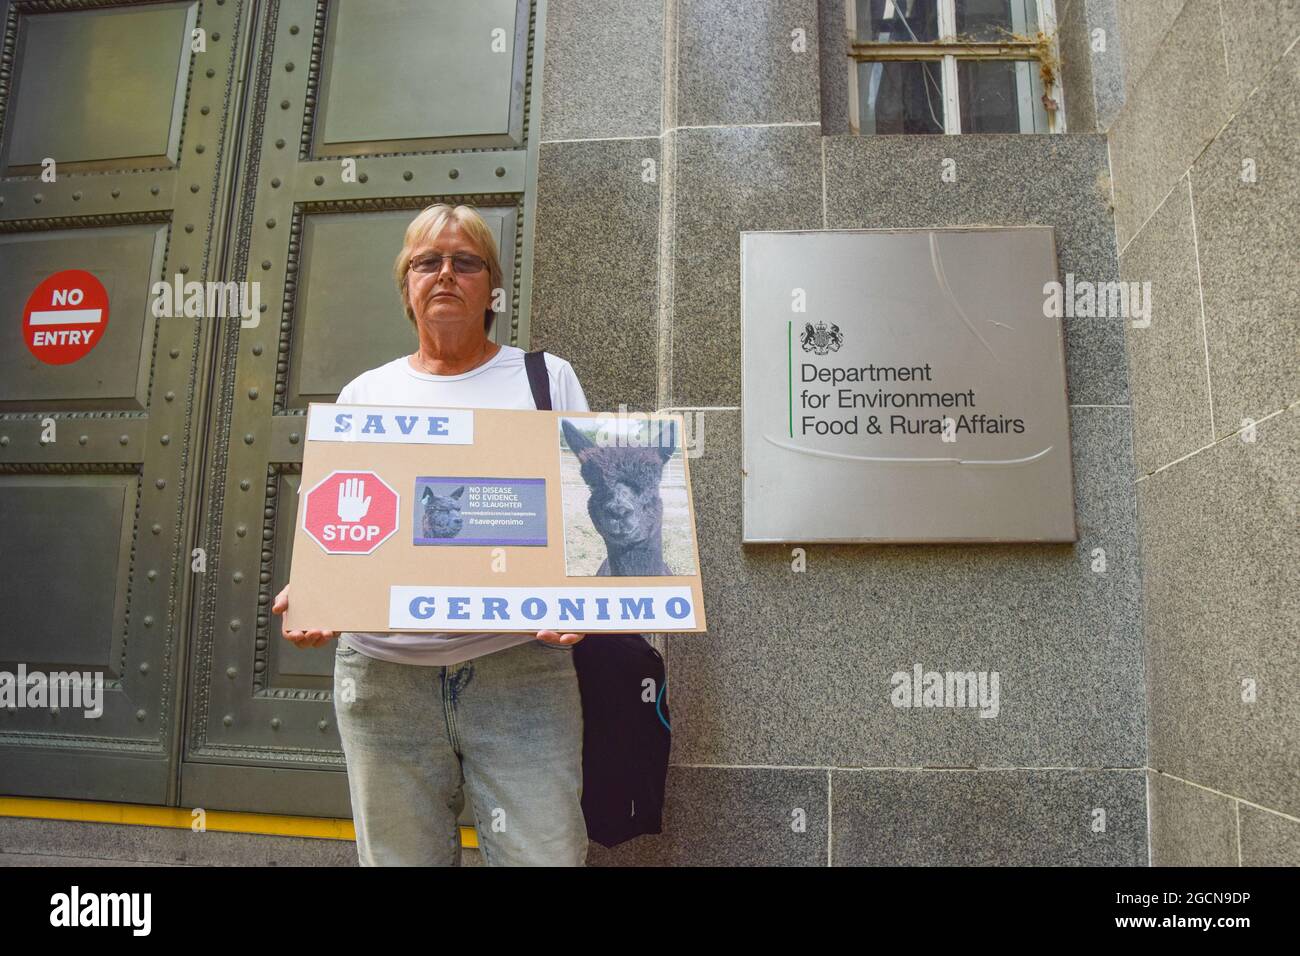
500	382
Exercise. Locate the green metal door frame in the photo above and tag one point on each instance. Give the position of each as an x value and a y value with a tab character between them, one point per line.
145	443
260	731
204	711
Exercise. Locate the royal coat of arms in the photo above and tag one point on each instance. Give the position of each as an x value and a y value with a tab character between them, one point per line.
821	340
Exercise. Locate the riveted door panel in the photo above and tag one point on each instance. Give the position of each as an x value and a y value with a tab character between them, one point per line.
361	113
113	161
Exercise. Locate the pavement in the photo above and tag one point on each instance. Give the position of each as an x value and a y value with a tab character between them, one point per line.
36	842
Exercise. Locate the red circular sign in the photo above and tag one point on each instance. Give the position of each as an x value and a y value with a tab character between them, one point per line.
350	512
65	317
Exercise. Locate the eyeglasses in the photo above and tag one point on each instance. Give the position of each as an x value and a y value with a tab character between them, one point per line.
462	262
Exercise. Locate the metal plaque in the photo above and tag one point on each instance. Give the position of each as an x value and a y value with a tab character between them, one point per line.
903	386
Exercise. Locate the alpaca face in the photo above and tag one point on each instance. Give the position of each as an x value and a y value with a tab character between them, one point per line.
625	506
441	517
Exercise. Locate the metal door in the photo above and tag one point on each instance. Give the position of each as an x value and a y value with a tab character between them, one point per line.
148	539
361	113
113	160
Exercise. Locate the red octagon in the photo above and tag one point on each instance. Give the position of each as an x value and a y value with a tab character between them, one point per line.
350	512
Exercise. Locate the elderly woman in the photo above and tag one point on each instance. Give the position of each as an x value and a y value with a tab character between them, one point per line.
427	716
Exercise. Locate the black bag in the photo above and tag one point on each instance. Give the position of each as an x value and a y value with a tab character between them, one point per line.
626	732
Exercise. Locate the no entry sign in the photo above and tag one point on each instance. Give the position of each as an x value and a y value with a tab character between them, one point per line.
350	512
65	317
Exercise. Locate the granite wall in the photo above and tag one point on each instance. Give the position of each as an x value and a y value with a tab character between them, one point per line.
1206	160
669	127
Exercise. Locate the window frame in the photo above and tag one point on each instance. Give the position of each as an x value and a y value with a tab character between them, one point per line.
948	51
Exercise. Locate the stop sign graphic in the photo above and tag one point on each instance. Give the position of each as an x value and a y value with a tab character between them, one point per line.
350	512
65	316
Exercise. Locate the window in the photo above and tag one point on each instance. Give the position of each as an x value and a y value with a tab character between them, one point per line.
953	66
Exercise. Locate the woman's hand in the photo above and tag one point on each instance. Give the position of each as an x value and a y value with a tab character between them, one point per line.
551	637
310	638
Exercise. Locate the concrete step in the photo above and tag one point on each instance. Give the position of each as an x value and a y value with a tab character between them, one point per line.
33	842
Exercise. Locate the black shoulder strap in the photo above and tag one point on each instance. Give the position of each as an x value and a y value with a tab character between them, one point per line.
538	380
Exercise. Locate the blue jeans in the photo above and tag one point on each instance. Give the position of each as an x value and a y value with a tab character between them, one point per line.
506	727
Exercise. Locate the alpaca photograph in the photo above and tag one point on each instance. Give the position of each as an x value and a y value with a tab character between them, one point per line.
626	505
440	514
480	512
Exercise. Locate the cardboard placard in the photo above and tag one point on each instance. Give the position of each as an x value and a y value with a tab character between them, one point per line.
494	520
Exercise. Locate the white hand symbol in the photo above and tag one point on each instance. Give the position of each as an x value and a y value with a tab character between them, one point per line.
351	505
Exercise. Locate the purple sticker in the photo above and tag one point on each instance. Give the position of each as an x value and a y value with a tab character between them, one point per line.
483	512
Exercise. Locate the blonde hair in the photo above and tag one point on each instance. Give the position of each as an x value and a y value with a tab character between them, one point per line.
426	227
